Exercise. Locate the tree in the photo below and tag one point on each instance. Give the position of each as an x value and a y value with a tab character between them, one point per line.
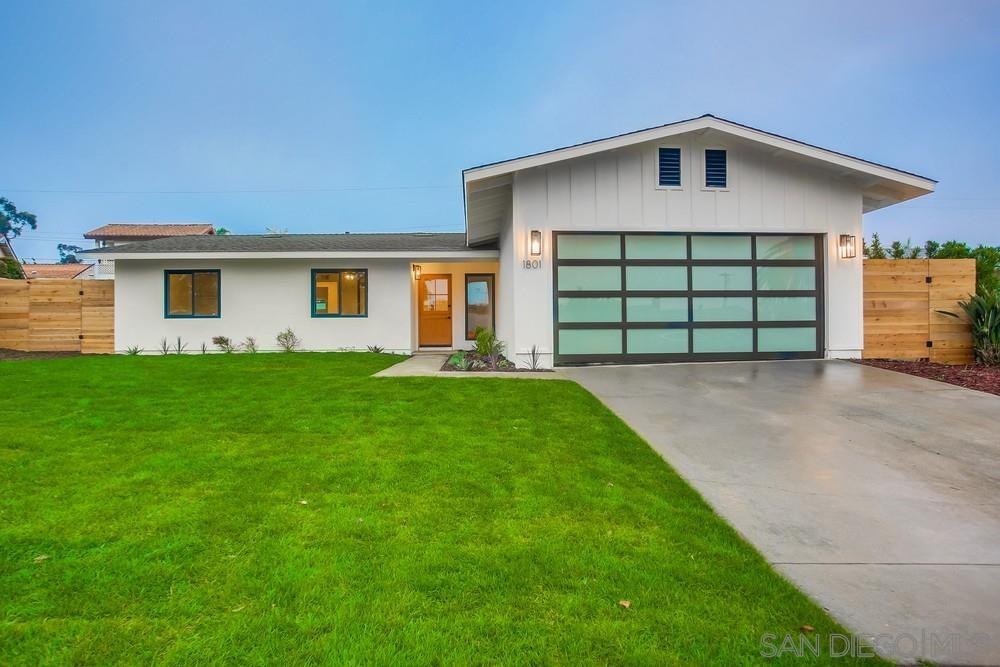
13	221
931	249
875	249
221	231
67	253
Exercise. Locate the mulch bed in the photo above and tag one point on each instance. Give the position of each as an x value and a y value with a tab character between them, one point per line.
981	378
17	355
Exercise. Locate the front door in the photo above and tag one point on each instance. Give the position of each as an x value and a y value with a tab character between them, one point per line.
435	310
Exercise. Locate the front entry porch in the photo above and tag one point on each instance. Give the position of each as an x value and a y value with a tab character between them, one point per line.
450	301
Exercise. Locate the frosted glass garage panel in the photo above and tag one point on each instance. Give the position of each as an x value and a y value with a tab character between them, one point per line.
656	341
722	309
786	308
586	246
656	247
590	341
656	277
656	309
577	278
786	339
720	247
597	309
723	340
786	278
786	247
721	278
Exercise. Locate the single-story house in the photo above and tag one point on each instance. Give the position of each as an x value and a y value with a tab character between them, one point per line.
698	240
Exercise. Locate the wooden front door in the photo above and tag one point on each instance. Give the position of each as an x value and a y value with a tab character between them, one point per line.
435	310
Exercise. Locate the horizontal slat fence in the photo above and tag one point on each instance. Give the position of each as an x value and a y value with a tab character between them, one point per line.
902	298
57	315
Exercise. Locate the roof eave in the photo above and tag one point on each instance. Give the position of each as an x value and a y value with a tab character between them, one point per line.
424	255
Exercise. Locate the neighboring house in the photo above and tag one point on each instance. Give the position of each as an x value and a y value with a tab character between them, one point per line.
57	271
698	240
116	234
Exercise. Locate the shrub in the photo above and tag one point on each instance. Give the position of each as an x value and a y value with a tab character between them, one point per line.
133	350
534	358
204	348
225	344
288	341
377	349
250	345
489	346
984	316
164	346
179	346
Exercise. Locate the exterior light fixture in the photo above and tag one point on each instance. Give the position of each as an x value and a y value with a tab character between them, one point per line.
416	271
535	244
848	246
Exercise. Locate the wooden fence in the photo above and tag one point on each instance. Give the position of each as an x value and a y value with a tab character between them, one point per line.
58	315
902	297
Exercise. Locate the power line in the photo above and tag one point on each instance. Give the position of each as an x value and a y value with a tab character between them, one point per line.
303	190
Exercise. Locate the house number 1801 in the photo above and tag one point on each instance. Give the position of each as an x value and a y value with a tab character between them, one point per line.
531	263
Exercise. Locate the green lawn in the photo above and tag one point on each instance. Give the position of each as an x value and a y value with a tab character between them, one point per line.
291	509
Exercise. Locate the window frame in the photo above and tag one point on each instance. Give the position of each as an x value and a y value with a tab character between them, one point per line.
166	294
704	170
656	167
493	300
340	293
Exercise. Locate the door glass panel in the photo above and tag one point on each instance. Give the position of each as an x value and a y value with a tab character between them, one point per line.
586	246
786	278
720	247
656	341
598	309
590	341
590	277
786	308
478	304
723	340
180	302
655	247
656	309
656	277
786	247
723	309
721	278
436	298
786	339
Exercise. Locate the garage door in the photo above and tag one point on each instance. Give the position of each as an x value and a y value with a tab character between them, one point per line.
660	297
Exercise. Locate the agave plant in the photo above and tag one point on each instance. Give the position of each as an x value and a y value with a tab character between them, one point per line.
983	311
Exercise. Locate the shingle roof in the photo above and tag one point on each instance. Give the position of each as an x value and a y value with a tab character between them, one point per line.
297	243
146	231
53	270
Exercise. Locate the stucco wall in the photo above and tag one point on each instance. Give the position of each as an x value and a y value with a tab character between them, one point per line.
260	298
617	190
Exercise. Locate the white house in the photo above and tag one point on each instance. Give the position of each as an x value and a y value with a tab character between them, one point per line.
698	240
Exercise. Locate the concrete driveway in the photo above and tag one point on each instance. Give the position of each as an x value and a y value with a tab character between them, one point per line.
877	493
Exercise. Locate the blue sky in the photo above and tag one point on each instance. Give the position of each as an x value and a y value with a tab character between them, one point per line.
317	116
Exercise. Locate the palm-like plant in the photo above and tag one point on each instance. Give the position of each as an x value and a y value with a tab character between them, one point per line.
983	311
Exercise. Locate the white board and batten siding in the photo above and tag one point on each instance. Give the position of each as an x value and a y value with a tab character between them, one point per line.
618	190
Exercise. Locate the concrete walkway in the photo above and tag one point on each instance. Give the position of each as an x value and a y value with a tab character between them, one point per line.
429	365
877	493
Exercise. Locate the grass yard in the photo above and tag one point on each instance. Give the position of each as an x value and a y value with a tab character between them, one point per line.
291	509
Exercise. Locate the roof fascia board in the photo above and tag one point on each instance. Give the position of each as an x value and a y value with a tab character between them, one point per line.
304	254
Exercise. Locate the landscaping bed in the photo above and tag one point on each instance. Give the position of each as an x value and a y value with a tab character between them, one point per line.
972	376
472	362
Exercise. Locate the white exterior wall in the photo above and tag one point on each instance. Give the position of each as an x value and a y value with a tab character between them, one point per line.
617	191
261	297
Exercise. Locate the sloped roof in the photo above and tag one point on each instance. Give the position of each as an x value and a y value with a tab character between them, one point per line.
65	271
277	243
146	231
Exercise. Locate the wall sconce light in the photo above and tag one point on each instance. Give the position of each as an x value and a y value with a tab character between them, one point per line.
848	246
416	271
535	245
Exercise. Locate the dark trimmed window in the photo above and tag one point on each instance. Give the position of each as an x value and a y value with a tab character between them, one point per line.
340	293
479	306
669	164
192	293
715	168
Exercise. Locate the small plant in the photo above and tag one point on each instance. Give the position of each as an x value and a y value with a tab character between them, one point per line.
377	349
204	348
983	311
288	341
133	351
225	344
179	346
489	346
250	345
164	346
534	358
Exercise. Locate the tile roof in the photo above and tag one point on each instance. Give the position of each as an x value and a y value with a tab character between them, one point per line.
298	243
146	231
54	270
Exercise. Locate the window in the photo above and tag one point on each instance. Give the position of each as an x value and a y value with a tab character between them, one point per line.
715	168
670	167
192	293
479	308
340	293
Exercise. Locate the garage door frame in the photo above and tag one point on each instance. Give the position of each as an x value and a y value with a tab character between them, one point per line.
690	325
